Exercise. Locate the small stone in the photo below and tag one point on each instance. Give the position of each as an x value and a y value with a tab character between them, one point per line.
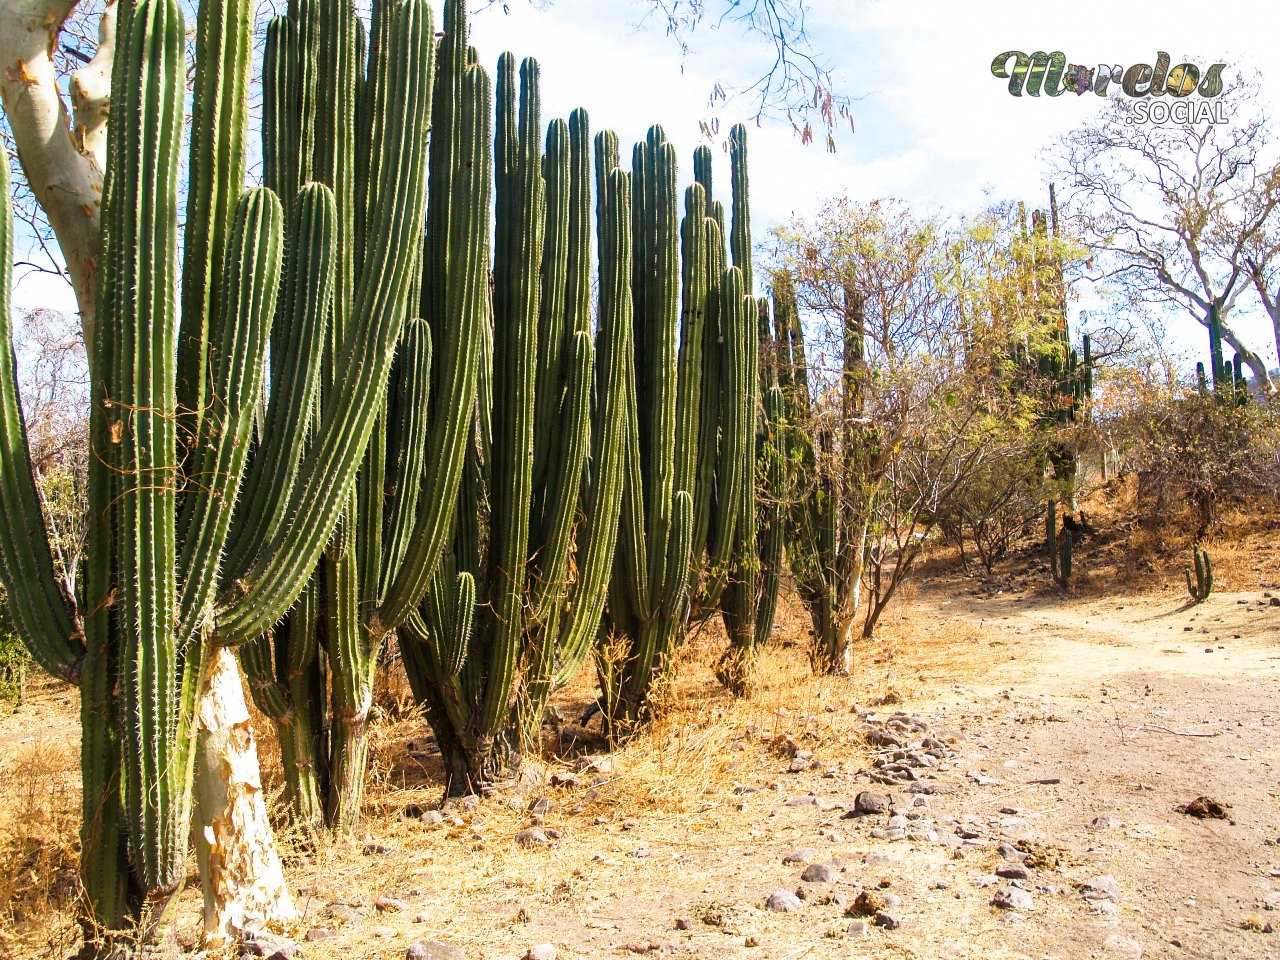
1101	888
684	923
751	941
1122	946
340	911
807	800
1009	852
376	849
432	818
319	933
542	951
412	812
259	943
390	905
1103	823
542	805
532	837
800	855
871	803
783	901
865	904
857	929
889	921
820	873
1010	897
434	950
1013	871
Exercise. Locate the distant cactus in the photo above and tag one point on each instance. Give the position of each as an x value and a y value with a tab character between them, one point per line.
1202	585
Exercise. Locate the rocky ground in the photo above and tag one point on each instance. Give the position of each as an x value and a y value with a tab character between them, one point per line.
1012	774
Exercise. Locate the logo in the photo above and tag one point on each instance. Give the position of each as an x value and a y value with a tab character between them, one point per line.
1159	93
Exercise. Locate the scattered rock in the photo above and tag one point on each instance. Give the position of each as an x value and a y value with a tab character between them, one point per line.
800	855
341	911
1104	823
434	950
783	901
684	923
319	933
1101	888
532	837
390	905
1009	852
542	805
1122	946
870	803
820	873
1010	897
259	943
857	929
1013	871
889	921
376	850
412	811
542	951
432	818
1204	808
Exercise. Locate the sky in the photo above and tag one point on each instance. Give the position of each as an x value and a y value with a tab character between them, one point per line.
933	126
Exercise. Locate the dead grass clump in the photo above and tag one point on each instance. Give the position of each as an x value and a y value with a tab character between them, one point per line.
39	844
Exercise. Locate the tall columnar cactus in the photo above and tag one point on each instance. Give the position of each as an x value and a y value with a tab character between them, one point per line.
388	545
827	531
513	610
1202	585
751	583
691	425
173	570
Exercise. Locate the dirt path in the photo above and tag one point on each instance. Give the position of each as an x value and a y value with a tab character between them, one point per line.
1068	728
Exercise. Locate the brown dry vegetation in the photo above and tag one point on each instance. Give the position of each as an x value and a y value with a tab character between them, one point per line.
690	818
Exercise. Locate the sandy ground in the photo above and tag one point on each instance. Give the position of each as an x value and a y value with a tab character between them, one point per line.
1072	728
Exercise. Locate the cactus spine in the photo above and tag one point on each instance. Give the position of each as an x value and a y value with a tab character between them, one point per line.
1202	585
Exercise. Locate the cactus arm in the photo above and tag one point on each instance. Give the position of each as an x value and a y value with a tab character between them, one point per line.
274	581
409	424
515	317
246	305
219	127
139	308
455	386
307	291
335	157
740	227
40	605
614	358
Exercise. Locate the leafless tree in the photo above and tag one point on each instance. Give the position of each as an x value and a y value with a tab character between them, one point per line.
796	85
1173	212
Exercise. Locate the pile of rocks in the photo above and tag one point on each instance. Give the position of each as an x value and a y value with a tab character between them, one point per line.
906	749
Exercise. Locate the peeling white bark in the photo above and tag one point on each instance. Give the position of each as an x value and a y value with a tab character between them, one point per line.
243	882
63	167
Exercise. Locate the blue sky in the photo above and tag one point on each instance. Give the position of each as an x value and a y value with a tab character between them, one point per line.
933	126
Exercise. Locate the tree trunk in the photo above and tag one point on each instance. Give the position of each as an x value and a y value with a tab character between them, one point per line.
239	867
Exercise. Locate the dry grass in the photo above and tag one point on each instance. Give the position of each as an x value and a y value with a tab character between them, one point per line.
39	845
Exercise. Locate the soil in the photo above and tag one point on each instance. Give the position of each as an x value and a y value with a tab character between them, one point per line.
1074	728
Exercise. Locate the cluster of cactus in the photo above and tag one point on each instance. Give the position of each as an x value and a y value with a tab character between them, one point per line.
687	528
1202	585
324	107
826	545
1059	549
1228	375
513	610
192	543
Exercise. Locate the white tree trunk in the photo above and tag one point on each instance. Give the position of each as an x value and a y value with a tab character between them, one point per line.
63	163
239	868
